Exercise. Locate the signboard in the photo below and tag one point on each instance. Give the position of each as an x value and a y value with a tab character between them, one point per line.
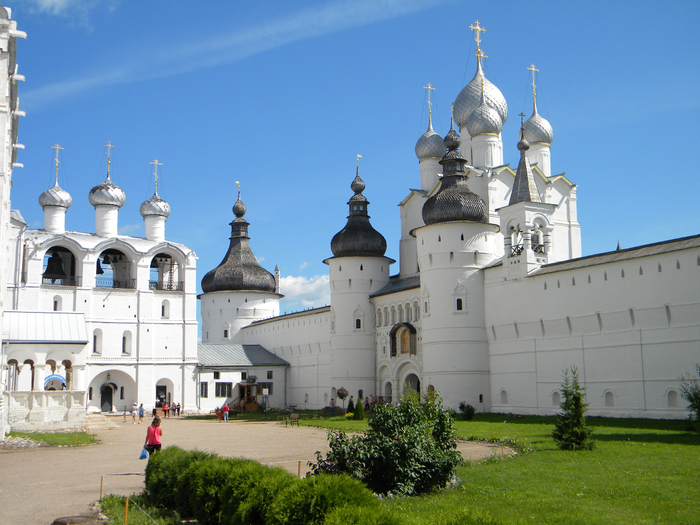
265	391
54	376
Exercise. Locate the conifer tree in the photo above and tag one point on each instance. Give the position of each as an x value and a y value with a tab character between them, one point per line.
351	406
359	413
570	430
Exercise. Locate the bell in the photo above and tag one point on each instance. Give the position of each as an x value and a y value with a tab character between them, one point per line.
54	269
99	270
106	259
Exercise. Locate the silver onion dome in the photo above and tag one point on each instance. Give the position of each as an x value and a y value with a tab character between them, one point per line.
155	206
537	129
107	194
55	196
430	145
484	120
470	98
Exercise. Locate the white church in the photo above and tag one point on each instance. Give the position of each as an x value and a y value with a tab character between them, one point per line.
489	301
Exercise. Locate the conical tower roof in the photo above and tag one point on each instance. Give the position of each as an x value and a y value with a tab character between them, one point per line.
524	188
240	270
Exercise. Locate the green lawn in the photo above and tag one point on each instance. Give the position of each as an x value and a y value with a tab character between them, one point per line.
57	439
642	471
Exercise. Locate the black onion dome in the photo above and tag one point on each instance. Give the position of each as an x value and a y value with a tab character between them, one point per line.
358	238
454	201
240	269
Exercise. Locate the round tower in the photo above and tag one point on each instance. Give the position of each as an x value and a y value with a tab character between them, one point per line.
455	244
357	269
239	291
55	203
107	198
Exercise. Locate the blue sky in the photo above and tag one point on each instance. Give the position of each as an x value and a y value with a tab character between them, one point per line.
282	96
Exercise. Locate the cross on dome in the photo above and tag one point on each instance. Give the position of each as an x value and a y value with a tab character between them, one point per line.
478	30
109	153
56	147
534	92
155	172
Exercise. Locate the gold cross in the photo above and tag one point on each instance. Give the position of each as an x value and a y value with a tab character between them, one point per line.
533	69
109	152
430	88
155	172
478	29
56	147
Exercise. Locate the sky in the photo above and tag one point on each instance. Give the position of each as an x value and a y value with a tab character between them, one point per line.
281	96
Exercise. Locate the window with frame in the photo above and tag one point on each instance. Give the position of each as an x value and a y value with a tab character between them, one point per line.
269	374
217	375
244	376
265	385
203	389
223	389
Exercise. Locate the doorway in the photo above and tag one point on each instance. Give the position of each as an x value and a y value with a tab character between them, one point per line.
106	393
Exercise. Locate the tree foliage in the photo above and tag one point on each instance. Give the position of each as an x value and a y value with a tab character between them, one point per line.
690	391
410	448
570	430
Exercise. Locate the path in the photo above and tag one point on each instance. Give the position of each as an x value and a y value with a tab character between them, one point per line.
38	485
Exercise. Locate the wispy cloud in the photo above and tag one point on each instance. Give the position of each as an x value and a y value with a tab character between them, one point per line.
301	292
189	56
303	265
76	11
130	229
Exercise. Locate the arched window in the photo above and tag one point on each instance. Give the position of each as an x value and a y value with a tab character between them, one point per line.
416	311
97	341
504	397
379	317
672	398
126	343
609	399
59	267
165	309
556	399
165	274
386	316
57	303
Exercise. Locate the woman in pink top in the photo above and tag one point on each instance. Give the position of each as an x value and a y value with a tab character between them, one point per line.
153	435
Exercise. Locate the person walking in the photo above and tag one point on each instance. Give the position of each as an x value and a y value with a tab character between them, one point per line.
165	409
141	413
134	413
225	409
153	435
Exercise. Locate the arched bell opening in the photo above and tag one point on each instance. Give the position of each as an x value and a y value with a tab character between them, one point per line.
165	273
59	267
113	270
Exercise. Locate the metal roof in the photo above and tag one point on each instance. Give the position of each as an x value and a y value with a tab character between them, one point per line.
237	355
621	255
398	286
44	327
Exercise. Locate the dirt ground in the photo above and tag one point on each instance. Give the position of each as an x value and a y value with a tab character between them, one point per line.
38	485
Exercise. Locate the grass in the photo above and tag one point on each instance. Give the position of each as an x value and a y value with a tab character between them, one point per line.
114	507
58	439
642	471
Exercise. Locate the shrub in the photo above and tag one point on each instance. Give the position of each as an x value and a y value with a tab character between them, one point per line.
163	472
570	430
690	391
351	515
254	508
410	448
467	411
313	497
351	405
359	411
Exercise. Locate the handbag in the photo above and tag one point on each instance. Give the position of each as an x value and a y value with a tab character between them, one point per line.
144	454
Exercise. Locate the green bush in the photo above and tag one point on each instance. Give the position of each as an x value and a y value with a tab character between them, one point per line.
351	406
410	449
570	430
690	391
254	508
313	497
163	472
359	411
467	411
351	515
237	487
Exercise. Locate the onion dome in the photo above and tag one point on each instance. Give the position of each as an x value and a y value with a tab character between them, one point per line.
358	238
524	188
430	144
454	201
240	269
55	197
470	98
484	120
107	194
537	129
155	206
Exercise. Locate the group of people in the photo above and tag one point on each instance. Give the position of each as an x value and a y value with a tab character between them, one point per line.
137	411
223	412
168	410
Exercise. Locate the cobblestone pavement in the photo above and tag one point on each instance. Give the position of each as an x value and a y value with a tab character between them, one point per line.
40	484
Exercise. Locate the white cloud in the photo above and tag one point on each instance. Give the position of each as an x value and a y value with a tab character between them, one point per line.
130	229
303	265
203	53
76	11
301	292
